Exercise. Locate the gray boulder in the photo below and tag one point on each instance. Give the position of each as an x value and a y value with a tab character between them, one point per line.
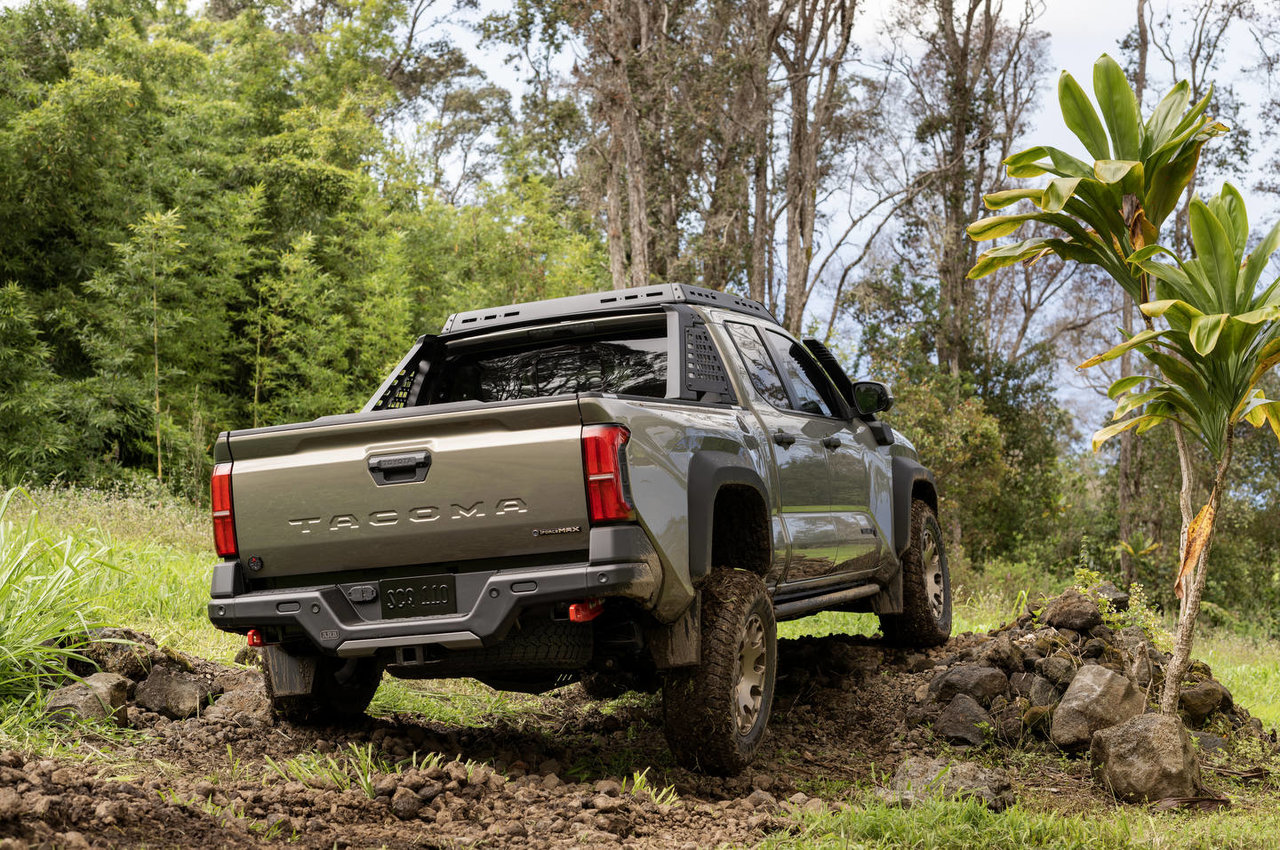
1003	654
173	693
1073	610
1058	669
922	778
1148	757
99	697
982	683
963	721
1097	699
1042	692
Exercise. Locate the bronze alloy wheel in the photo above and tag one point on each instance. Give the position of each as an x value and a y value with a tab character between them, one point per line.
750	674
931	564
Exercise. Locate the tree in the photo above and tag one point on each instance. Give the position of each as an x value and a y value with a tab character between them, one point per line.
1110	215
1222	337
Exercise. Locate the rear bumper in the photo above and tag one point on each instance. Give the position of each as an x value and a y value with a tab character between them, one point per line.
492	600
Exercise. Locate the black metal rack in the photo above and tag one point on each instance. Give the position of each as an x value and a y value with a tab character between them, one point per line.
575	306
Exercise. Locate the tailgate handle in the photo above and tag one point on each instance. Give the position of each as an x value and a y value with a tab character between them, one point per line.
400	469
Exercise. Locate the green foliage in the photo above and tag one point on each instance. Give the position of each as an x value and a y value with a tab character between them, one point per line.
45	583
1107	211
1222	335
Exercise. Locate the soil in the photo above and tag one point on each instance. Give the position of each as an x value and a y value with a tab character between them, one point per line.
847	712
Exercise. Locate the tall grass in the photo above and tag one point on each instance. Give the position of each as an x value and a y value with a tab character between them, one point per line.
45	600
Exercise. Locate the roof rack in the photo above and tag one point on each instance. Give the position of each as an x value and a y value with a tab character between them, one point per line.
601	302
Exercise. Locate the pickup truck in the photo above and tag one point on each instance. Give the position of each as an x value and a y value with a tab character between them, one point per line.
629	488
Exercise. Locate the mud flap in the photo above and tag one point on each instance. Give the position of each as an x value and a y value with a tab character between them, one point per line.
679	644
290	675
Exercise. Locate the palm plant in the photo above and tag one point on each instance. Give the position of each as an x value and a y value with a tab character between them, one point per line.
1222	337
1222	333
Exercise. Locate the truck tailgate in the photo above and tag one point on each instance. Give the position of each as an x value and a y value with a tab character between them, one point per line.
337	495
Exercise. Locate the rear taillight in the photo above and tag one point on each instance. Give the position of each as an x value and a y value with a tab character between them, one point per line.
602	455
224	517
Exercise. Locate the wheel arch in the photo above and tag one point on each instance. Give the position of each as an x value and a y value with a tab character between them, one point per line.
722	486
911	481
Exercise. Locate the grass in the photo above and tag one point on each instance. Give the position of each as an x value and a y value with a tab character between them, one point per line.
944	824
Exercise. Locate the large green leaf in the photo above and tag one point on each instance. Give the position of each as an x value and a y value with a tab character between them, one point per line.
993	227
1178	313
1134	341
1165	117
1133	401
1126	172
1058	192
1257	317
1205	331
1228	207
1180	374
1104	434
1259	258
1216	256
1009	197
1081	117
1119	108
1125	384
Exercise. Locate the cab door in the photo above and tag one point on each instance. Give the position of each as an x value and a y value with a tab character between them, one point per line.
804	534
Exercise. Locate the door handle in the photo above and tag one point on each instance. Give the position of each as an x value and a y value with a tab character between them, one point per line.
400	469
784	439
832	442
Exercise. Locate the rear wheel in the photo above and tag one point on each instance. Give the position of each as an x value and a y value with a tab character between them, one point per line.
341	689
926	586
715	713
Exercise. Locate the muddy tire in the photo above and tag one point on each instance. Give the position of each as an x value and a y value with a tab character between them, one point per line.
341	690
714	714
926	587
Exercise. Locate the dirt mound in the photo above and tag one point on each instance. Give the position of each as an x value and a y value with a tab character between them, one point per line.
849	711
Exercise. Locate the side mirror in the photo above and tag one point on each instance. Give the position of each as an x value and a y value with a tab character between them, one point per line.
869	398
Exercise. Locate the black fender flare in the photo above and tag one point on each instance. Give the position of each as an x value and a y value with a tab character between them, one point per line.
909	477
708	472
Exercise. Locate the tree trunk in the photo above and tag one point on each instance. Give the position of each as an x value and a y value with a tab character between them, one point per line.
1193	585
613	228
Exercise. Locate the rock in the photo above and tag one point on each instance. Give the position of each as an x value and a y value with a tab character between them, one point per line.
243	706
1209	743
1003	654
963	721
10	804
1057	669
982	683
1042	692
121	651
605	804
763	781
405	804
762	801
1020	683
611	787
172	693
1204	698
1148	757
1118	598
921	778
1097	699
99	697
1073	610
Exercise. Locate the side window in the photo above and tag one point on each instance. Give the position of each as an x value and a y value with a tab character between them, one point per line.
806	377
759	365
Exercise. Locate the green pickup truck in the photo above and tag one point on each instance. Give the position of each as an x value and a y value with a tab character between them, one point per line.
628	488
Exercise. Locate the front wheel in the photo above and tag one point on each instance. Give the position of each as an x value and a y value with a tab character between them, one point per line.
926	587
715	713
341	689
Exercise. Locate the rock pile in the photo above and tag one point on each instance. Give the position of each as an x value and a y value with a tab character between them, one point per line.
139	684
1059	674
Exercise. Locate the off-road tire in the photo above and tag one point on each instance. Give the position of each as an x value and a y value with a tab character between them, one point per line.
926	587
702	717
341	690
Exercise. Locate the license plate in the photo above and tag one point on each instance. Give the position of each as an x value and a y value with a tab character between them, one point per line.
418	597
